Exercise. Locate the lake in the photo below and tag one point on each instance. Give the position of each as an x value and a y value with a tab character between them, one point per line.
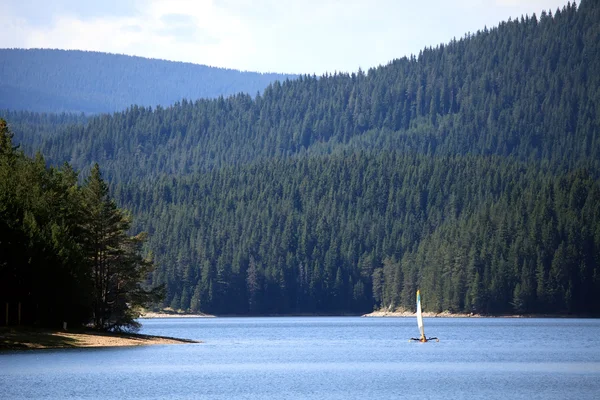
324	358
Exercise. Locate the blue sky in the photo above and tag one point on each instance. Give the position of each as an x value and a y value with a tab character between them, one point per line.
288	36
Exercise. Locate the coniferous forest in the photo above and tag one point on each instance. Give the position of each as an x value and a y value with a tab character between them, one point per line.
470	171
65	254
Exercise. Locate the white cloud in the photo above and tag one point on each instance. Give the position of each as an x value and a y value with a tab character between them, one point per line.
303	36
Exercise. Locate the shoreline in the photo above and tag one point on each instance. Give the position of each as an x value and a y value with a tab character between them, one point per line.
24	339
446	314
373	314
411	314
152	315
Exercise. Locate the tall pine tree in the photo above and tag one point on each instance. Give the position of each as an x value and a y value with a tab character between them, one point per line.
116	264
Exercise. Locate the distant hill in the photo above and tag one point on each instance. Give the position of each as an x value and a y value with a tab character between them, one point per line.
45	80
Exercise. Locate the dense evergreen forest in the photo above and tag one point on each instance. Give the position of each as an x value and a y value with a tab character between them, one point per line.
470	171
65	254
345	233
47	80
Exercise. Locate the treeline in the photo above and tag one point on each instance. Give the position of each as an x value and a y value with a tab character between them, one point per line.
34	129
49	80
353	232
65	254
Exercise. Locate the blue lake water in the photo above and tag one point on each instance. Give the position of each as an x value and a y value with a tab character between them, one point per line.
324	358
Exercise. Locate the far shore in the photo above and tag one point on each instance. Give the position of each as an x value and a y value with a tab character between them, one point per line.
24	338
382	313
151	314
373	314
446	314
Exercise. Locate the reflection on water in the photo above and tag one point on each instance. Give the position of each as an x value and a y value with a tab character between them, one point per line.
324	357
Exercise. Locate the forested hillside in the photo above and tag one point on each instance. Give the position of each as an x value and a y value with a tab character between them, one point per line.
470	171
46	80
527	89
342	233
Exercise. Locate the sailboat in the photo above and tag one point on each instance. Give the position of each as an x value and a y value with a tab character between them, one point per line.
423	338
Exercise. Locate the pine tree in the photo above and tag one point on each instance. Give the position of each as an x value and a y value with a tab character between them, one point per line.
115	260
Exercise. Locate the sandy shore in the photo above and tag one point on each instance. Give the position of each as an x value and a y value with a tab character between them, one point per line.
446	314
45	339
173	315
425	314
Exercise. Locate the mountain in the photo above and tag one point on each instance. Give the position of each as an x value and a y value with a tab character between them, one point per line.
470	171
46	80
526	89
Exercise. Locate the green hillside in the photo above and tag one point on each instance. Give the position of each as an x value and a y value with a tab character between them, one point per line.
354	231
470	171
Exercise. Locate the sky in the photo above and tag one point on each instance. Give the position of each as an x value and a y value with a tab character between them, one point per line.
284	36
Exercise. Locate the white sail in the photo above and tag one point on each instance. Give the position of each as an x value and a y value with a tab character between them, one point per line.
420	315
